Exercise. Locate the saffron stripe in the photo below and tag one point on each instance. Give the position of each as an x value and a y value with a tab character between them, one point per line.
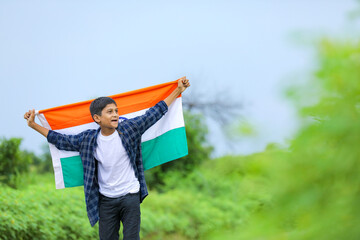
78	113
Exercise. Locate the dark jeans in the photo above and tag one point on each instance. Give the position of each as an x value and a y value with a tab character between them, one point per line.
113	210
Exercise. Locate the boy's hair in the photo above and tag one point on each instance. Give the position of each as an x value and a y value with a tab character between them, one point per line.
99	104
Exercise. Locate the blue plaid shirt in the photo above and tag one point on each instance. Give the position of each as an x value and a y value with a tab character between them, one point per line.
130	132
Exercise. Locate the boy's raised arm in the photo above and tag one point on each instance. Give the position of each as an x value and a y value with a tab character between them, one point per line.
30	118
153	114
183	83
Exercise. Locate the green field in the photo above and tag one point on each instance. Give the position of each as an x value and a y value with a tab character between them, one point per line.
188	208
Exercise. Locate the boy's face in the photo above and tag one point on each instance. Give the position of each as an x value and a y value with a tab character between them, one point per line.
109	118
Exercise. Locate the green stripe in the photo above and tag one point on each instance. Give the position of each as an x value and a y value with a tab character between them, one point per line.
167	147
72	169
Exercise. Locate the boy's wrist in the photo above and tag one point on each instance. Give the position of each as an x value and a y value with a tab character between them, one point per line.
180	89
32	124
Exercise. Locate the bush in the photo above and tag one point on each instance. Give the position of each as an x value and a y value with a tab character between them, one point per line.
41	212
221	194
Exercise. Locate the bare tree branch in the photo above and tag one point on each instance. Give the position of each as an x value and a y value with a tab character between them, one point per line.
220	106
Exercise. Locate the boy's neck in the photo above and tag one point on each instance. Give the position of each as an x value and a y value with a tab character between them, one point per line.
107	131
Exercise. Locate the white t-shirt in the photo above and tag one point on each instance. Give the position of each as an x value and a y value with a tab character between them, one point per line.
115	173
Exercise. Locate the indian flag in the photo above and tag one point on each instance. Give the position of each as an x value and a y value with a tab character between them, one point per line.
163	142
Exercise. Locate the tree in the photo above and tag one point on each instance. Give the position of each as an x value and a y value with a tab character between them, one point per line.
220	107
43	163
199	151
197	107
13	162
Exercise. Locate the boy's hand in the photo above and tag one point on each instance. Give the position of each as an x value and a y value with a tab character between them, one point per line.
30	117
183	83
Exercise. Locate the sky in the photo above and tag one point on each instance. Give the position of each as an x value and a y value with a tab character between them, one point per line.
59	52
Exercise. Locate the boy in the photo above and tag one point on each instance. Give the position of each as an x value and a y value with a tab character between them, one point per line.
114	183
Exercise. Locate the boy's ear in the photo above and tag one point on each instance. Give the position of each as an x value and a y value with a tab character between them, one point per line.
96	118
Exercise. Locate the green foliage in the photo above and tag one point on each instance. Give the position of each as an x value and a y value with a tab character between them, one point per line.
315	187
198	145
41	212
199	151
220	194
43	163
13	162
240	129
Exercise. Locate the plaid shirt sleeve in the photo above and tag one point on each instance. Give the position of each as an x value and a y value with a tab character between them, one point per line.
151	116
65	142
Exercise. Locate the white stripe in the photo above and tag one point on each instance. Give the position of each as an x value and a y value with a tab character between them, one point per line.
59	178
171	120
55	156
78	129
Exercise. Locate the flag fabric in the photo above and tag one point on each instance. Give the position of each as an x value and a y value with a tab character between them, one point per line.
163	142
